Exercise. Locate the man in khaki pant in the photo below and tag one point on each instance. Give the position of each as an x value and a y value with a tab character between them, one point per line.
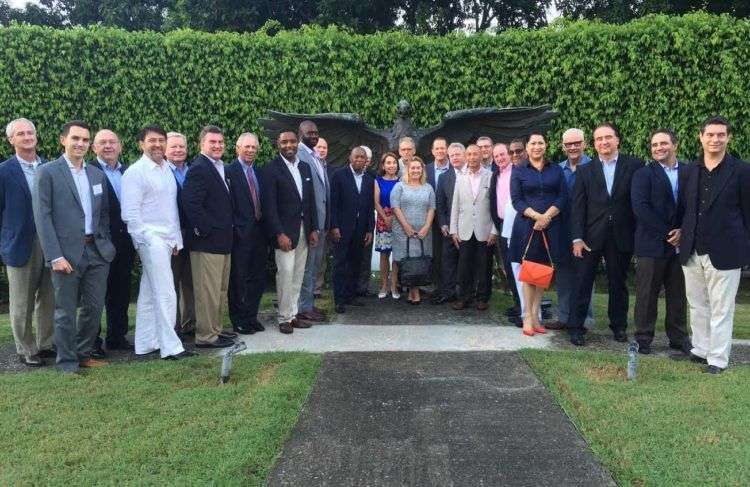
29	283
207	203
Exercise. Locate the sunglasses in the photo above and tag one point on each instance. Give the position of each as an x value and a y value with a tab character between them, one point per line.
515	152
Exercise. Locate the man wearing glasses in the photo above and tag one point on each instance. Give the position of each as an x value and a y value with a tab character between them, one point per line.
517	152
573	144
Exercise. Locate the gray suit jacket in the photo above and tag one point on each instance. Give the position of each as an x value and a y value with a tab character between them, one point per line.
471	215
59	216
321	187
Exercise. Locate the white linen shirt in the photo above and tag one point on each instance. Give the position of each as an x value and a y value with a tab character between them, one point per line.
293	168
149	203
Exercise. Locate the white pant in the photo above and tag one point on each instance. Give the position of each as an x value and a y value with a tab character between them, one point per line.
290	270
711	294
156	312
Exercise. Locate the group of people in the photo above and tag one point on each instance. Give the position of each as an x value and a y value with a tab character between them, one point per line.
203	232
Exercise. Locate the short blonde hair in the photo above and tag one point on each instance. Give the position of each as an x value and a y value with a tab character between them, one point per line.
405	176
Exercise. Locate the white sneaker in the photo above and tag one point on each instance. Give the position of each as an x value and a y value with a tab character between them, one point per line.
395	295
382	294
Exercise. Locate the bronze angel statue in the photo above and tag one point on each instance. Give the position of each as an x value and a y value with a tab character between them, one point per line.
343	131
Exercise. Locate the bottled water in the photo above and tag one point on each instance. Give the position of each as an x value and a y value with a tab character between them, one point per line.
632	360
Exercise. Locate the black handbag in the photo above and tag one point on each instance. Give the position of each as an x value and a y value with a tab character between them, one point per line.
415	271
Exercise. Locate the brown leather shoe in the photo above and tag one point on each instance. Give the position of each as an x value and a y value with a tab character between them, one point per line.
286	328
309	316
482	306
458	305
92	362
319	311
300	323
555	325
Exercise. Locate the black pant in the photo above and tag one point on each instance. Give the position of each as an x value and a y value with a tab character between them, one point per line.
117	299
365	266
347	265
448	267
472	269
502	254
437	258
247	277
617	272
650	275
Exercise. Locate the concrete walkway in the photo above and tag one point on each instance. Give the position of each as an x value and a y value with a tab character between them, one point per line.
433	419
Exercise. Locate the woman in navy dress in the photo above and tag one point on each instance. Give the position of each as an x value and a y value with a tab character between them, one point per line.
538	193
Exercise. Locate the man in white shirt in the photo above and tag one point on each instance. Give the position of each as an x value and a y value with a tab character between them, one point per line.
149	208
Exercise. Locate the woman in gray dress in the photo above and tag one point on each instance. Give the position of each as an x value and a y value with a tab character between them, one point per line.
413	203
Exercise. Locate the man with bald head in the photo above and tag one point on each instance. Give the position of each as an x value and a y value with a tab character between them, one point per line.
352	221
308	139
107	148
29	281
247	277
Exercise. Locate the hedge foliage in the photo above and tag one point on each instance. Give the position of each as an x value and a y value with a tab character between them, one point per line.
656	71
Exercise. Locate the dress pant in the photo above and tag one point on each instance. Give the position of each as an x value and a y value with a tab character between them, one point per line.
472	266
210	285
79	299
31	295
650	275
156	311
183	284
617	272
365	270
290	270
437	257
347	265
711	295
565	285
315	258
117	299
325	250
247	278
448	267
503	256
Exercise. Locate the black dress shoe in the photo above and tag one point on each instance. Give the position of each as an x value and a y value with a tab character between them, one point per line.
645	349
31	360
684	347
340	309
257	325
516	320
578	340
244	329
713	369
228	334
97	352
698	360
513	311
620	336
183	354
356	302
220	342
48	353
123	345
286	328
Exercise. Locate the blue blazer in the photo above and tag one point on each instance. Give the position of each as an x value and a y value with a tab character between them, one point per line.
17	230
656	211
352	212
727	216
245	225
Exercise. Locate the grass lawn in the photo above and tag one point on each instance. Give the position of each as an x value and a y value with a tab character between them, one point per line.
152	423
674	426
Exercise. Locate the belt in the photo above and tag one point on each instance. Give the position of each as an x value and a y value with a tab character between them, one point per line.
88	239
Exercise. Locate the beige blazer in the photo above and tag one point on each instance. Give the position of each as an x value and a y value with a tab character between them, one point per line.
470	215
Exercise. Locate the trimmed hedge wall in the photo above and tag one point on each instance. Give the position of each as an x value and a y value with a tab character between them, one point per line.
656	71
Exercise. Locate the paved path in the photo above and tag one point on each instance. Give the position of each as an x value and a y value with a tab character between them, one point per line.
433	419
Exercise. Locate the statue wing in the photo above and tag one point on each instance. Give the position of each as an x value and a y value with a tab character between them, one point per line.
501	124
342	131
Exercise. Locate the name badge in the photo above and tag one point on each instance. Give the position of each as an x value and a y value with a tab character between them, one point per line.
97	189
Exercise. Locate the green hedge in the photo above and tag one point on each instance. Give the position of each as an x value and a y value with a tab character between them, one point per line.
660	70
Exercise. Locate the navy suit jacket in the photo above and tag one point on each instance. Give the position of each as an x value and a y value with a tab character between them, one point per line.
184	223
17	229
655	209
352	212
245	224
118	230
444	197
594	211
283	209
727	216
208	207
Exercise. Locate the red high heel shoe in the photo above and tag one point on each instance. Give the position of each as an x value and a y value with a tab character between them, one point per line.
540	329
528	333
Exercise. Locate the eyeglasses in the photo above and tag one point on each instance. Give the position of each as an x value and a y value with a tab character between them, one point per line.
576	143
515	152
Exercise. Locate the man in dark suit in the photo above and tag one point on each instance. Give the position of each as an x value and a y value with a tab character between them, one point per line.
29	282
352	207
71	213
714	242
107	148
176	155
288	203
443	202
247	278
207	201
439	166
654	195
602	226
